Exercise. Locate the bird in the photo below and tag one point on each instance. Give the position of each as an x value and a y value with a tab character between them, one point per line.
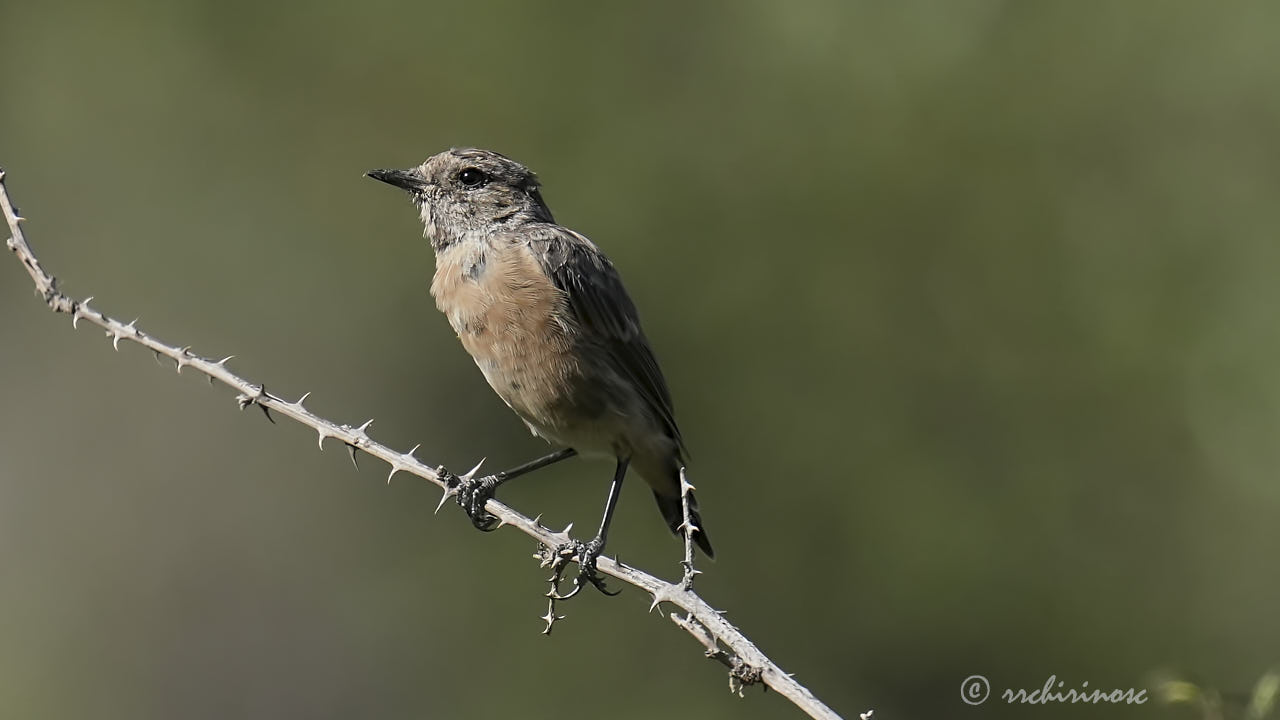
544	314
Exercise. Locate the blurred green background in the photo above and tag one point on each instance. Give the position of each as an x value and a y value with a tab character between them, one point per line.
968	307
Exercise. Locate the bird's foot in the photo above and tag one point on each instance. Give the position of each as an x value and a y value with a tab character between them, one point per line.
585	554
471	493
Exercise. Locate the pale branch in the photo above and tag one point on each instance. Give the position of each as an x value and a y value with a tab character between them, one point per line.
723	642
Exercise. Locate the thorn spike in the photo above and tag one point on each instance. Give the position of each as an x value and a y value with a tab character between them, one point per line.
303	399
351	451
447	494
472	472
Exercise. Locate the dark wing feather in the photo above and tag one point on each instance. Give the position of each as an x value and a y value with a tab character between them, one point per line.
602	308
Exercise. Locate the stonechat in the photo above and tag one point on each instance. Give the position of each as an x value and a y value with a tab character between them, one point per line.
545	316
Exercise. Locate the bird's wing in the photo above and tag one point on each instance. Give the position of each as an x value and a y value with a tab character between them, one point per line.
603	309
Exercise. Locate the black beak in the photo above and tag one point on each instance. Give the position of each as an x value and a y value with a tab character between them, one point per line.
404	179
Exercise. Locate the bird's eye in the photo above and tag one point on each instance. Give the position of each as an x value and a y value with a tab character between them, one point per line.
472	178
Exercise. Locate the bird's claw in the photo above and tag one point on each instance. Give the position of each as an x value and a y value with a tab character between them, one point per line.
585	554
472	493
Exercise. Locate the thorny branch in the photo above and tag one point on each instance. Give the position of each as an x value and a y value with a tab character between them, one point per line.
723	642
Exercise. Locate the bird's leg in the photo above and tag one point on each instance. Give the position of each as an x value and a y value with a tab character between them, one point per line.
473	493
588	552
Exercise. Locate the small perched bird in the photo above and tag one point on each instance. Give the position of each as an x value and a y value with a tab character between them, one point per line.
545	316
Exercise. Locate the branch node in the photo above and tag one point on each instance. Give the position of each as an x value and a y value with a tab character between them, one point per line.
551	617
78	309
245	400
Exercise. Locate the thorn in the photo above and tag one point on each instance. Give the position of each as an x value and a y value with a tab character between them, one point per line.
351	451
322	437
157	354
394	469
266	412
447	494
551	617
360	430
411	452
224	360
472	472
537	521
18	219
302	399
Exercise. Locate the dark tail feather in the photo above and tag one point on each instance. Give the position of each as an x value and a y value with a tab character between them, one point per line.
673	512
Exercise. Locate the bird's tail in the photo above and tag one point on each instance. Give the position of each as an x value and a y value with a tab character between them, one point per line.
673	512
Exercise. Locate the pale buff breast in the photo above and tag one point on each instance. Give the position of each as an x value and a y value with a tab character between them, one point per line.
512	320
